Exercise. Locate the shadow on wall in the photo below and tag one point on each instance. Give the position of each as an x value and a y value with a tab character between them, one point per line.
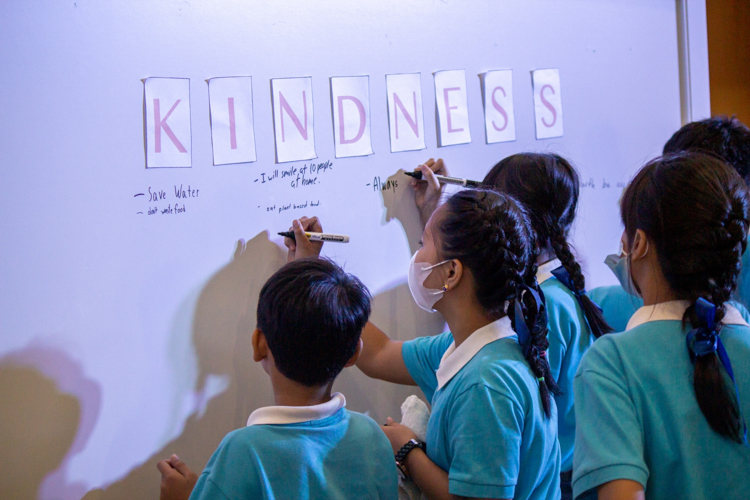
224	318
223	323
393	311
48	409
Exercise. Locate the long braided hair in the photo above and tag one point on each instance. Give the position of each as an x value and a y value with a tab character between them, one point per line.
490	234
548	186
695	209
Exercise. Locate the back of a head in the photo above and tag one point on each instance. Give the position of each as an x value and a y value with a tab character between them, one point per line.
695	209
312	314
548	186
723	136
491	235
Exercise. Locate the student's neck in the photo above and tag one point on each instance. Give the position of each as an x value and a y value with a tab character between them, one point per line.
545	256
287	392
653	285
465	319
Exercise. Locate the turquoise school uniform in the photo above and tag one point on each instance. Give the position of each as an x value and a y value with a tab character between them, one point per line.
569	337
311	452
619	306
638	418
487	428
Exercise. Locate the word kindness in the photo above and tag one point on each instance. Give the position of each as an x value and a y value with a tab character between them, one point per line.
168	134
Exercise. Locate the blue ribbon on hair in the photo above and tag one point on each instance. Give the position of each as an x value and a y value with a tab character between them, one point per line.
705	340
521	311
563	277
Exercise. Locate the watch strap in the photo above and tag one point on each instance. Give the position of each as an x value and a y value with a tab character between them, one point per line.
405	450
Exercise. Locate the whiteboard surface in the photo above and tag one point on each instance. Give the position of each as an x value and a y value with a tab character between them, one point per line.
152	313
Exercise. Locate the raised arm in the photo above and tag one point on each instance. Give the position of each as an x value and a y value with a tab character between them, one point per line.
428	190
381	357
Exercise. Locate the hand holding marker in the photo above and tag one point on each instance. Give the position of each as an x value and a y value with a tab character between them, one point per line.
300	245
337	238
443	179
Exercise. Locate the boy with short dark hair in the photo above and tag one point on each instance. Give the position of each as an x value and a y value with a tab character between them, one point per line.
310	317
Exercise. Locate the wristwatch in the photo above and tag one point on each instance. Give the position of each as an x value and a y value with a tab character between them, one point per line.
401	455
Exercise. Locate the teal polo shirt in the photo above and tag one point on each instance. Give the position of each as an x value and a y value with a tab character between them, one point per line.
569	337
619	306
318	452
487	428
638	419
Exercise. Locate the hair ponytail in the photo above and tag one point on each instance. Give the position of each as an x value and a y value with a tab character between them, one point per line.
529	318
491	235
593	313
700	252
548	186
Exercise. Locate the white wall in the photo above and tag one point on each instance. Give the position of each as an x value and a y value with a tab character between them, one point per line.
145	320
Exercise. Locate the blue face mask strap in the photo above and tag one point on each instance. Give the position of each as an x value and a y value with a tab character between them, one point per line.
563	277
703	341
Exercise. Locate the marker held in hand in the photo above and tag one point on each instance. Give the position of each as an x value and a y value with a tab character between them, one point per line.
335	238
456	181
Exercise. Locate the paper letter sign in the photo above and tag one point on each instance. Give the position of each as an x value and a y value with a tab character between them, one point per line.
168	141
547	103
499	121
350	99
452	107
405	116
293	119
232	133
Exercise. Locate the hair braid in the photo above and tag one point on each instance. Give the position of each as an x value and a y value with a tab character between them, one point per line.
699	253
491	235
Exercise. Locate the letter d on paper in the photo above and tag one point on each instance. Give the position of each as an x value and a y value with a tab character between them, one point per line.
350	98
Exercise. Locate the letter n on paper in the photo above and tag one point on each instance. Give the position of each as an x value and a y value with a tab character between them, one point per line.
168	137
350	99
293	119
232	130
548	114
405	116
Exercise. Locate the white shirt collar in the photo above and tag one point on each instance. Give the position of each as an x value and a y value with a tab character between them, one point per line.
296	414
544	272
456	358
674	310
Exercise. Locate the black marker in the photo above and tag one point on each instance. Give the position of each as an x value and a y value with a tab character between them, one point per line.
337	238
447	180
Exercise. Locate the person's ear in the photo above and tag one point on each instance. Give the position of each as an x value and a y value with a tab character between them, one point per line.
260	346
355	357
455	273
640	246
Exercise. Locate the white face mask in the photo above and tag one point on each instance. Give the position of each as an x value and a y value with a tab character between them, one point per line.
418	272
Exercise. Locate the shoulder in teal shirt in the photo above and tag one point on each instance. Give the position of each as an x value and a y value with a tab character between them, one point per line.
638	419
343	456
619	306
487	428
569	338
